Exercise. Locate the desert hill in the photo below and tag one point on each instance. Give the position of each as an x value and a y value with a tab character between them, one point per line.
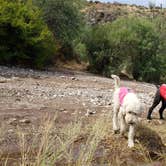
97	12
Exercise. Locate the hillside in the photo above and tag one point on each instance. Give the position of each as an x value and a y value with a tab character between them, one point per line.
97	12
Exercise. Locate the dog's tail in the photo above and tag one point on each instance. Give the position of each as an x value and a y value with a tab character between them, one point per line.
117	81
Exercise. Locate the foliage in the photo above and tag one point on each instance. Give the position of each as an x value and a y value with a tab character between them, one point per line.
134	46
79	45
64	20
98	48
138	41
128	44
160	23
24	37
80	50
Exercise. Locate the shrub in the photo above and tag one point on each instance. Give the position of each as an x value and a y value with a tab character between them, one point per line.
98	48
64	19
127	44
24	37
160	23
137	41
80	50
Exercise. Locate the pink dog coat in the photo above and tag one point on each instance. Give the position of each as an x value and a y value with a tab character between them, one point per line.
122	93
163	91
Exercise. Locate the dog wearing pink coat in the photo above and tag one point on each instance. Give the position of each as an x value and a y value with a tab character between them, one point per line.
126	110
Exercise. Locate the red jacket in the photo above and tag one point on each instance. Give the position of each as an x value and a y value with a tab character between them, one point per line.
163	91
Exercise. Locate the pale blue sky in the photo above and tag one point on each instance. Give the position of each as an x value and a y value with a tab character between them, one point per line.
138	2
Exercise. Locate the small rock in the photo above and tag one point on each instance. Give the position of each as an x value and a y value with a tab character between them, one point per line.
54	96
92	112
24	121
37	84
3	80
18	99
62	76
74	78
99	96
10	131
62	109
89	112
109	103
12	121
83	104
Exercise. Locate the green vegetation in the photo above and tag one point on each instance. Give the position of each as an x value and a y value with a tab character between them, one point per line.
35	33
24	37
128	44
65	21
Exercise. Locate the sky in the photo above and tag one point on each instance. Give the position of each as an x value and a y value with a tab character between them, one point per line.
138	2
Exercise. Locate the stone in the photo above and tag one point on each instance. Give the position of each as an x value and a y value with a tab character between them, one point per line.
12	121
24	121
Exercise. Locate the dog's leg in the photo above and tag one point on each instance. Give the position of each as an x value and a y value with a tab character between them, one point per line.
115	119
131	135
156	101
162	109
122	121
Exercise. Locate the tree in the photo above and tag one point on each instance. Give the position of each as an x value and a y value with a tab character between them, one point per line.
24	37
64	19
160	23
128	44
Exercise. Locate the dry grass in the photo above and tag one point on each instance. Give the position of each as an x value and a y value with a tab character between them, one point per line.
78	144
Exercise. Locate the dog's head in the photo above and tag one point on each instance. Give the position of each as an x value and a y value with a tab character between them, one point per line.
133	115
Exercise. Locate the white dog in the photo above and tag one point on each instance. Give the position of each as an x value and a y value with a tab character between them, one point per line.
127	109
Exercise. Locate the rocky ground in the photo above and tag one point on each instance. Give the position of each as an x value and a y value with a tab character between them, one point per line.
27	96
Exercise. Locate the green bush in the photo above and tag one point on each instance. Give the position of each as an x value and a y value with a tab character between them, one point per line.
98	48
79	45
65	20
160	23
138	42
24	37
80	50
127	44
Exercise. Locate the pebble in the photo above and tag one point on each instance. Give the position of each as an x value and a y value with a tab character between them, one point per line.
90	112
12	121
73	78
18	99
25	121
62	109
10	131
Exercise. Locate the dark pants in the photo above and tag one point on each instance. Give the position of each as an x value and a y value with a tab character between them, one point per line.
156	101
